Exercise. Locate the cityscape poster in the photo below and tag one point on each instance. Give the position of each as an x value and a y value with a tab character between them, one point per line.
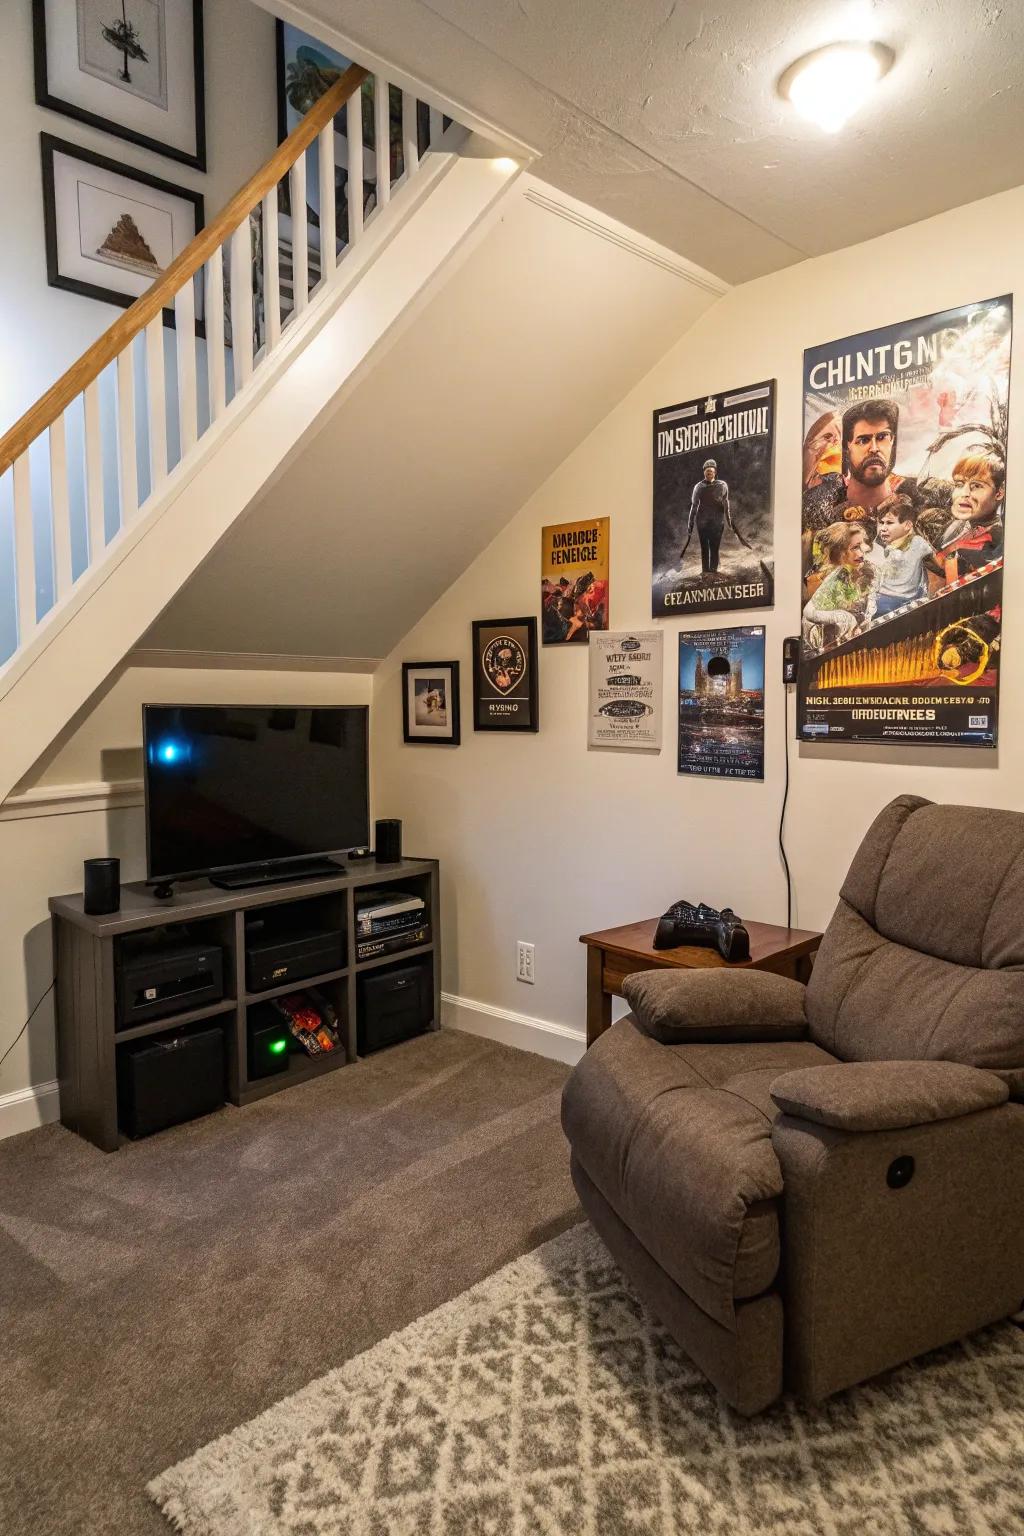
721	702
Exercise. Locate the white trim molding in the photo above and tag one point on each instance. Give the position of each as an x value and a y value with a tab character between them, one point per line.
28	1108
71	799
543	1038
629	240
249	661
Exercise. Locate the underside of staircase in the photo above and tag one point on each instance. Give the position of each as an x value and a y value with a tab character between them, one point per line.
307	322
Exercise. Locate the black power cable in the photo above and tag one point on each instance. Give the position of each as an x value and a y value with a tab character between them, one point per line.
782	813
28	1021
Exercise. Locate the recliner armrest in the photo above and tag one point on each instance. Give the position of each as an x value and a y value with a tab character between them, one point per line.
716	1006
886	1095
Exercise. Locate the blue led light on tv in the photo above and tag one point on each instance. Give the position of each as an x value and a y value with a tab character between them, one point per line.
169	751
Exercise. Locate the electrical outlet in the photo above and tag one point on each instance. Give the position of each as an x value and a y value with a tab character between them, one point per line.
524	961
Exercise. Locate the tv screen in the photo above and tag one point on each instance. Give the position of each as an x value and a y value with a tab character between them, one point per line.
228	786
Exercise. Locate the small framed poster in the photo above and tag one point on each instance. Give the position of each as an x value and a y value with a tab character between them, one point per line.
430	702
110	232
131	67
574	580
625	689
721	702
505	675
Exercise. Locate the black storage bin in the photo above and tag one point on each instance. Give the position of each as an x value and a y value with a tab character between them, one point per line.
167	1079
394	1004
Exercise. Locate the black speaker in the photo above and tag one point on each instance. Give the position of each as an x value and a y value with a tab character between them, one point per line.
102	886
388	839
394	1004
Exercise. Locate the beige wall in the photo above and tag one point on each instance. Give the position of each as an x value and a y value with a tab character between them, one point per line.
541	839
43	842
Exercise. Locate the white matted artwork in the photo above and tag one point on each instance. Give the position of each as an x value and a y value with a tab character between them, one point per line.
131	67
430	702
110	232
626	707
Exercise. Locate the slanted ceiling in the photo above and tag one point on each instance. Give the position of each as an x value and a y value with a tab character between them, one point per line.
548	321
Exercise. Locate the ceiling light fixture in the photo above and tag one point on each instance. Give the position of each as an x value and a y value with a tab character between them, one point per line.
829	85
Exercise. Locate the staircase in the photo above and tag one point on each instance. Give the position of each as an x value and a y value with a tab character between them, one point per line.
183	428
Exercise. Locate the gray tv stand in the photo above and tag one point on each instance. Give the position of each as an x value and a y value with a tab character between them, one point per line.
85	954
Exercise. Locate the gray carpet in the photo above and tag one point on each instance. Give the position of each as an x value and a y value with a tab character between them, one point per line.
546	1402
155	1299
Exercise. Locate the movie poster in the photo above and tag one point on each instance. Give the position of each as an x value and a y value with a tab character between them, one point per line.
721	702
904	503
625	689
574	581
713	503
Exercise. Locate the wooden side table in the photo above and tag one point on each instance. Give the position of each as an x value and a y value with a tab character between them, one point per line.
615	953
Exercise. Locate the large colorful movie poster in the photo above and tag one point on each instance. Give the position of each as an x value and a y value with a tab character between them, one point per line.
713	503
904	502
721	702
574	580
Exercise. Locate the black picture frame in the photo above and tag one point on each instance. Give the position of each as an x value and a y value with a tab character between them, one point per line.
490	705
454	736
44	97
49	146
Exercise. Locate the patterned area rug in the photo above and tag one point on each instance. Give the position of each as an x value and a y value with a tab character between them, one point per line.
547	1402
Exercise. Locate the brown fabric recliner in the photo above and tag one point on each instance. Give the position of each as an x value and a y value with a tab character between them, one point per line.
809	1186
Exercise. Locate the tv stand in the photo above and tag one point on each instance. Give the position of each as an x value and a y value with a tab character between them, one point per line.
273	874
89	947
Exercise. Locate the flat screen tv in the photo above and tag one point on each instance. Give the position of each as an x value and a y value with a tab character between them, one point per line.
232	786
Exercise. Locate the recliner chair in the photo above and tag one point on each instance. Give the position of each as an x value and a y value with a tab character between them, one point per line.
809	1186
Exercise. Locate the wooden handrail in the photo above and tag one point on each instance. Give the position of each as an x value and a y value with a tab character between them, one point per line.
184	266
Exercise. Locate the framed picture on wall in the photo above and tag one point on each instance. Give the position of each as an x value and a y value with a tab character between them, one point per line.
131	67
430	702
505	675
110	232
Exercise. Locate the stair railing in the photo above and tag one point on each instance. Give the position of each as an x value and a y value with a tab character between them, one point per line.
233	283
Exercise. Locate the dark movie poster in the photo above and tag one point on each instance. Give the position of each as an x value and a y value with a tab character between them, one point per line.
721	702
713	503
505	674
904	502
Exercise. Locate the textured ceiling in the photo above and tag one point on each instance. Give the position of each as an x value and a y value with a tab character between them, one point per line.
665	114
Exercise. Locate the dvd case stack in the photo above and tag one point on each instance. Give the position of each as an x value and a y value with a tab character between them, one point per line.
388	922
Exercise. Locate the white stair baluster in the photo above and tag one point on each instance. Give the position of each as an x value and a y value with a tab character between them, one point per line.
60	510
300	260
24	549
271	271
354	123
155	401
382	138
436	127
241	303
410	136
185	332
328	203
127	464
213	316
94	471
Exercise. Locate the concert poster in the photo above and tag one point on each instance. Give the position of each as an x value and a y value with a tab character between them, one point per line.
574	581
721	702
903	516
505	674
626	689
712	548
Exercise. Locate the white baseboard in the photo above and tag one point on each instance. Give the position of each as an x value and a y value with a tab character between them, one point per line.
28	1108
516	1029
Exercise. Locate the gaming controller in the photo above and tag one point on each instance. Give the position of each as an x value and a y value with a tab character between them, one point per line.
684	923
